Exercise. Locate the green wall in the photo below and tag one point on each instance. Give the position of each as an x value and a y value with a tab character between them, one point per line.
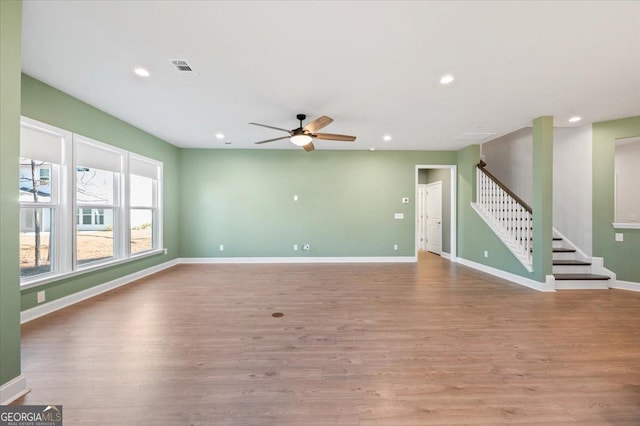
10	34
44	103
474	235
542	202
620	257
243	199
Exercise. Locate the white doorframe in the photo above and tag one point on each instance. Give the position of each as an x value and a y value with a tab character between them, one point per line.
453	231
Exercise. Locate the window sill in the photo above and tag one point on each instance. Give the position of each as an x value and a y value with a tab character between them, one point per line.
626	225
92	268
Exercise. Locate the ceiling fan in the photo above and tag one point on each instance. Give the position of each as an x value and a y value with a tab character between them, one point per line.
304	136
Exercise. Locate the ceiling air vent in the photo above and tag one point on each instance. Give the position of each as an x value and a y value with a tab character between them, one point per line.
183	67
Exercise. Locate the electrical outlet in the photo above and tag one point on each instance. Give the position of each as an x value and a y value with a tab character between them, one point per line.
41	296
306	247
166	251
486	253
295	198
405	200
295	247
395	247
221	247
619	236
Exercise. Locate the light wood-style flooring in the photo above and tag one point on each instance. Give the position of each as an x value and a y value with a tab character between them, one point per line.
359	344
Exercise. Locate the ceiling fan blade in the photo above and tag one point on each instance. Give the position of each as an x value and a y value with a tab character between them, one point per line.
318	124
309	147
332	137
272	140
274	128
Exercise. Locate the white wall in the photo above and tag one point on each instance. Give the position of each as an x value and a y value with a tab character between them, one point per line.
572	184
628	181
510	159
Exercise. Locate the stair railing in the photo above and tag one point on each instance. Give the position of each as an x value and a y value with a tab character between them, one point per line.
508	211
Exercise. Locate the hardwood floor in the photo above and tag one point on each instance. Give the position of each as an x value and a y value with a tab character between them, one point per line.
358	344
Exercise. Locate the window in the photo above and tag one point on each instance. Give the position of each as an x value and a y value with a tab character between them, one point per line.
40	159
83	204
143	203
45	175
98	174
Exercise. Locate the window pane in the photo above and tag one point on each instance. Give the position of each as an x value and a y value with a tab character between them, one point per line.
141	230
35	182
141	189
94	186
94	241
35	241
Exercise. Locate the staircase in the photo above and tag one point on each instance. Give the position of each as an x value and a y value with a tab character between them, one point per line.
573	270
511	219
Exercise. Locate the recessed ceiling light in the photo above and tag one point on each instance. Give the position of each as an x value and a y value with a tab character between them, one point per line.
386	138
575	119
446	79
219	135
142	72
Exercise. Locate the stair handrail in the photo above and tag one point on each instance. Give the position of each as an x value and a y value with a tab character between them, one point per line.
482	166
510	217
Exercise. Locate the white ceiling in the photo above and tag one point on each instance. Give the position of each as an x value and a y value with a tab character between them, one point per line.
372	66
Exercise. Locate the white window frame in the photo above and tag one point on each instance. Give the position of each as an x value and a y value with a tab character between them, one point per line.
63	191
156	205
117	206
58	235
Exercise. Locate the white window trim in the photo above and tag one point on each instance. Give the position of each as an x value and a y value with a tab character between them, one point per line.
156	205
53	277
66	207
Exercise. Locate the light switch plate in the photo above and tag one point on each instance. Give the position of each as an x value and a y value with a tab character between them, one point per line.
619	236
398	216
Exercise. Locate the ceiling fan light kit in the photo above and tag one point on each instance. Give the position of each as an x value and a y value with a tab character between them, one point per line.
304	136
301	139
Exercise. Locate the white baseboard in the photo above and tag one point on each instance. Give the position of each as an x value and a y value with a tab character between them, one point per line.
445	255
625	285
13	390
517	279
63	302
381	259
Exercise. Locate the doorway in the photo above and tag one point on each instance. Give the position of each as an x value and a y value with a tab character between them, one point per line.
435	226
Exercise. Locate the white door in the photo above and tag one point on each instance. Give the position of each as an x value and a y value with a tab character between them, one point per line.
421	236
434	217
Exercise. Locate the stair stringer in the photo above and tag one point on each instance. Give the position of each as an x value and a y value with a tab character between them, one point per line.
506	239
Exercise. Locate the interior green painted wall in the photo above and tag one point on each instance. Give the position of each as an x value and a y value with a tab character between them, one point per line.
10	42
474	236
542	200
49	105
620	257
243	199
